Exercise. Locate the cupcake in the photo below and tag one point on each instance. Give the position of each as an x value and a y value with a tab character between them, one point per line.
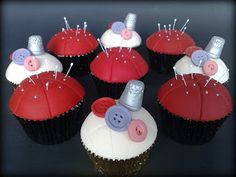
49	107
122	34
193	107
207	62
74	45
118	135
114	67
31	61
167	46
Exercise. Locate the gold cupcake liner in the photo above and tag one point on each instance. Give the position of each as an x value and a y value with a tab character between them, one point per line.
119	168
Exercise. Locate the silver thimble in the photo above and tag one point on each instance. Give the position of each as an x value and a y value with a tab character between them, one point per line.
130	21
35	45
215	47
132	96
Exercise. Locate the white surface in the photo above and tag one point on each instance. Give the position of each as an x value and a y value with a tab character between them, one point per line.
110	39
185	66
17	73
106	143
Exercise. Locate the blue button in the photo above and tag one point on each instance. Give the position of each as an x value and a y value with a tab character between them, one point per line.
199	57
117	118
19	56
117	27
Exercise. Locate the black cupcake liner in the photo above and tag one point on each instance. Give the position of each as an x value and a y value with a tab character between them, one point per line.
188	132
81	65
112	90
55	130
162	63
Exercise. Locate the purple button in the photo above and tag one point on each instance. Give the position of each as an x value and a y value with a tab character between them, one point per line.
19	56
199	57
117	27
117	118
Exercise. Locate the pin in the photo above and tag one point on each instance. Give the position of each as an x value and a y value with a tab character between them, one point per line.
47	84
63	30
200	62
207	81
56	72
165	28
183	30
191	66
184	24
169	29
130	49
71	64
103	49
159	27
77	29
175	73
184	80
66	23
174	24
85	26
31	80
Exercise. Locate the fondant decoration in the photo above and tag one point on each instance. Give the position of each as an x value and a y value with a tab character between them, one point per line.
100	106
126	34
132	96
191	49
130	21
117	27
215	47
199	57
19	56
31	63
117	118
137	130
170	41
123	65
72	42
203	99
210	67
35	45
47	97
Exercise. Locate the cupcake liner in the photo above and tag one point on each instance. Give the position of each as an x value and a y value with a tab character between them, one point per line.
55	130
119	168
163	63
81	65
113	90
188	132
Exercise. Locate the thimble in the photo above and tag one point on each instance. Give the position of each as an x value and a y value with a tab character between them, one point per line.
35	45
130	21
132	96
215	47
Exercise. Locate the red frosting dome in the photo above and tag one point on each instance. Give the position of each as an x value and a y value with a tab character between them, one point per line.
197	101
119	66
36	101
72	43
173	43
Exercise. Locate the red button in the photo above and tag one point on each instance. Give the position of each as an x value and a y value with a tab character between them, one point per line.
210	67
137	130
100	106
191	49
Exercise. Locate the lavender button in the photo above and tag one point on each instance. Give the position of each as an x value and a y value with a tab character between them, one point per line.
117	27
199	57
19	56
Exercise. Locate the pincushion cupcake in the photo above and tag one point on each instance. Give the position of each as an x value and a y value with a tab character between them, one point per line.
31	61
193	107
114	67
74	45
167	46
38	103
206	61
118	135
122	33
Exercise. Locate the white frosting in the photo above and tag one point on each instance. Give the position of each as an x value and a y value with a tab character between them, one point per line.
186	66
110	39
16	73
106	143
